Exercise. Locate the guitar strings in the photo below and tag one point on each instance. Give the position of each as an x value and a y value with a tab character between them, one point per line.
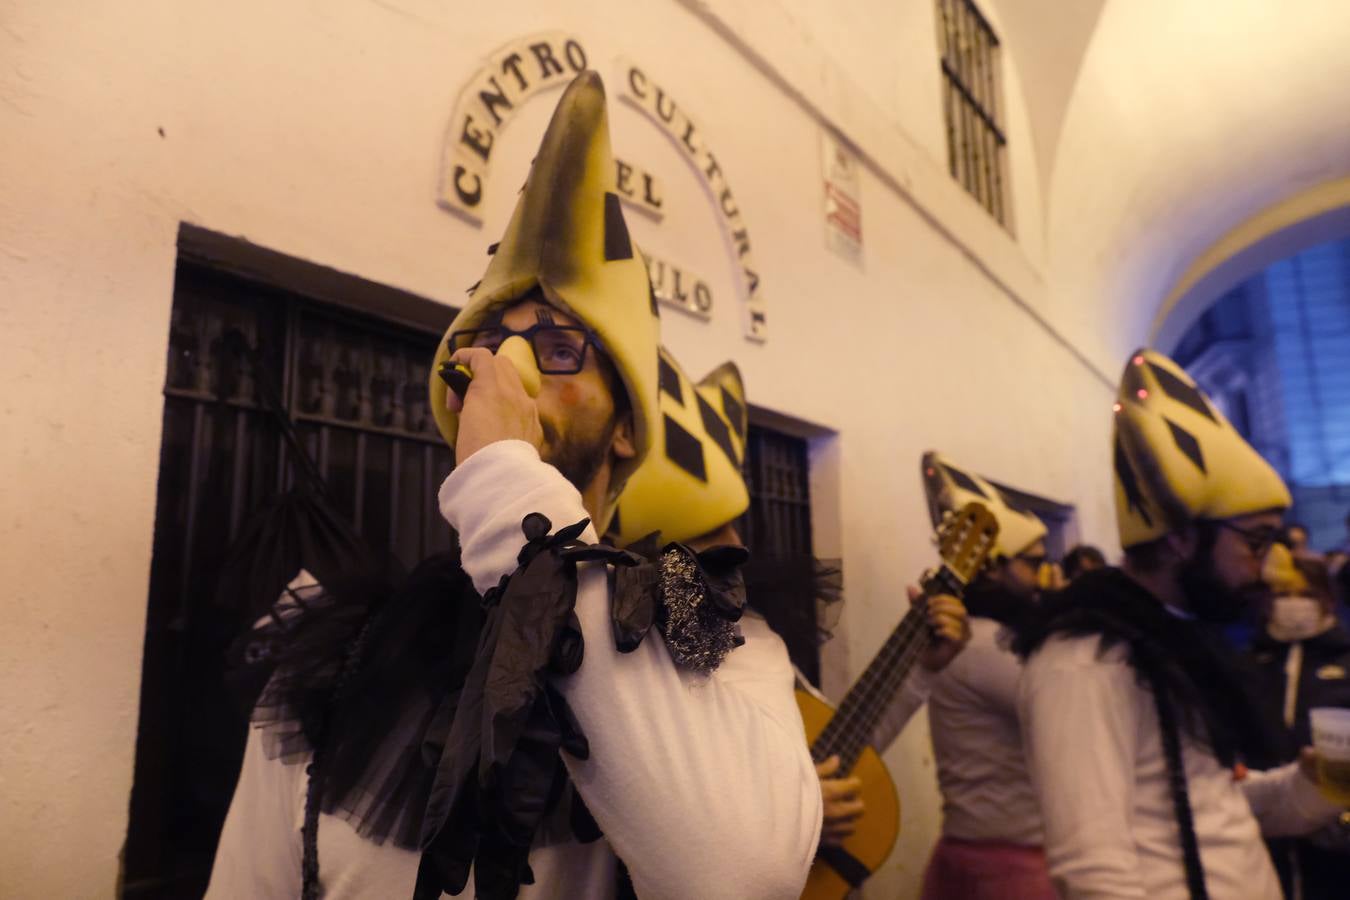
865	700
854	702
857	737
847	733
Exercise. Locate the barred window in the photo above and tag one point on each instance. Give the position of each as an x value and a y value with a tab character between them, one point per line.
971	89
778	472
777	529
354	390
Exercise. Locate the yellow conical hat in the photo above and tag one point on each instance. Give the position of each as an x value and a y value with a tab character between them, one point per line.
1177	459
950	487
1279	572
691	483
568	237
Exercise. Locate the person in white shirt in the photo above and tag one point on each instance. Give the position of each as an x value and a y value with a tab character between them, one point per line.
990	847
696	491
1134	718
420	754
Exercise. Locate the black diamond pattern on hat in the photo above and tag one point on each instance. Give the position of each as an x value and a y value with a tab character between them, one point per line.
964	481
669	379
1134	498
716	428
617	243
1187	444
1182	392
735	412
1012	503
684	450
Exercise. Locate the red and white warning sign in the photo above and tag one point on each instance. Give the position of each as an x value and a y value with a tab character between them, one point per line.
843	203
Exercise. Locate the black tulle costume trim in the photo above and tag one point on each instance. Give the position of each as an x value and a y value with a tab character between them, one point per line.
1205	680
428	714
419	638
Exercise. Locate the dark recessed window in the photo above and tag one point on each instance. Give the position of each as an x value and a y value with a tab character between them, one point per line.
778	474
784	579
971	102
243	357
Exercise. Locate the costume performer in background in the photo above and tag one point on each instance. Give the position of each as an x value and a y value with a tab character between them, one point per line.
991	828
1136	723
695	492
403	751
1302	660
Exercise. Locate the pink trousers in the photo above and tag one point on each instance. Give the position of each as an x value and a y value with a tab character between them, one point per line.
986	870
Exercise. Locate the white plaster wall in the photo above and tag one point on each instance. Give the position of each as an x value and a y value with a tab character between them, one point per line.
885	53
870	70
315	130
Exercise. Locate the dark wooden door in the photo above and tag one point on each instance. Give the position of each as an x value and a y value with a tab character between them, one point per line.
355	388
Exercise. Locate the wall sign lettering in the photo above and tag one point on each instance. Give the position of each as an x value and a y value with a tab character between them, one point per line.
678	289
662	109
512	75
531	64
640	189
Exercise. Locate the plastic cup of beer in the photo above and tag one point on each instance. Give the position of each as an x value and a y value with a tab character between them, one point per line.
1331	740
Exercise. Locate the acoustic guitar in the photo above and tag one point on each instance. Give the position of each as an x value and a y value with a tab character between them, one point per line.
964	539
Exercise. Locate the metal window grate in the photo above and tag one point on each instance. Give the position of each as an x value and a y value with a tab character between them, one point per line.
778	472
777	529
356	389
971	88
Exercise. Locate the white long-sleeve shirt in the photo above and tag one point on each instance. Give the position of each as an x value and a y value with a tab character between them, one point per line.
977	743
702	784
1095	755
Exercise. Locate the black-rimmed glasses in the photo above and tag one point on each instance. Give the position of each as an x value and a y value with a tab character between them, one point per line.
558	349
1258	540
1035	561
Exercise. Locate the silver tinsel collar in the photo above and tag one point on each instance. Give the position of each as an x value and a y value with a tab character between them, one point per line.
697	633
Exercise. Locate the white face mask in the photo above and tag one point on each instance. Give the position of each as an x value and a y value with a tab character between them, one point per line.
1295	618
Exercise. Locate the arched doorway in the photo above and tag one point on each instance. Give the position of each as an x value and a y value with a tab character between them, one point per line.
1274	353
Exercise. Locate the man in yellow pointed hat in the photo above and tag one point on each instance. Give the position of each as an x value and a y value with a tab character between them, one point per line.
991	828
1138	731
503	723
692	489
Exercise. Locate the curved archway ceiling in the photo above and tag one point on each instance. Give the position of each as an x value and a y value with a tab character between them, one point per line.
1186	119
1048	40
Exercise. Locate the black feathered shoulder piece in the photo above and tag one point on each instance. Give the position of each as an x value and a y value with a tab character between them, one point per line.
361	667
428	712
1188	659
500	771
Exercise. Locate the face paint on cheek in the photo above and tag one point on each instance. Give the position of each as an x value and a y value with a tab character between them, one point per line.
569	394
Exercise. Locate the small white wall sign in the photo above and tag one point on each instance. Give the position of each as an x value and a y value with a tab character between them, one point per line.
843	199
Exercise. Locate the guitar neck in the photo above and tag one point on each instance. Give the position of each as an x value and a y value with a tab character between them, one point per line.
851	728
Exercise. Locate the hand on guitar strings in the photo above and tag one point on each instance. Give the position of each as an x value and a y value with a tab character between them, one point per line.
843	806
950	627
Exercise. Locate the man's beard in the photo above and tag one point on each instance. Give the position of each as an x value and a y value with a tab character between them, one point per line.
578	459
1209	598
